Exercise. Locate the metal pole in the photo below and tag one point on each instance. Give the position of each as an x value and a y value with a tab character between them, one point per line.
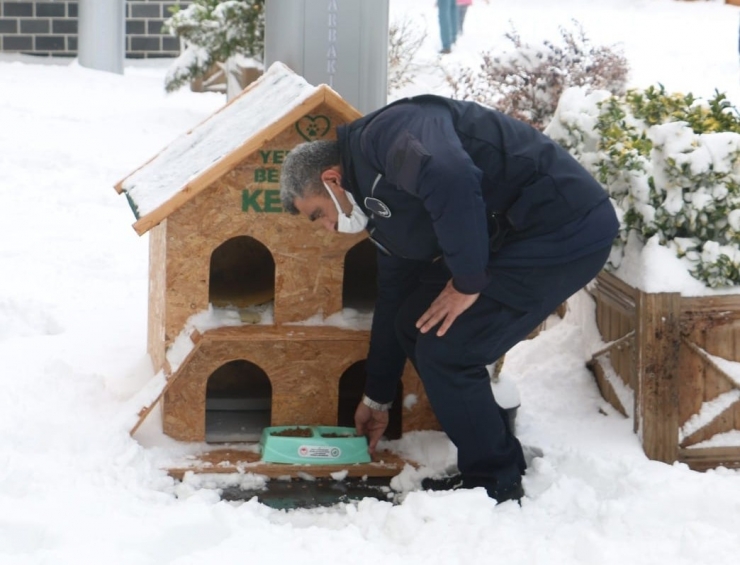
342	43
102	34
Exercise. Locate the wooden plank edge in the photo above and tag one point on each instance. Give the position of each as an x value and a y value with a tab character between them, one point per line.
611	279
723	304
605	387
616	343
612	285
119	185
697	436
284	333
171	378
386	464
704	356
705	458
345	110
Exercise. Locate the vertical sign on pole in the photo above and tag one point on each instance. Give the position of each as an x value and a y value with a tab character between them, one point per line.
102	34
342	44
331	54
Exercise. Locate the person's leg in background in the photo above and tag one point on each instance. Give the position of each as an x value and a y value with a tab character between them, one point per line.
462	9
447	10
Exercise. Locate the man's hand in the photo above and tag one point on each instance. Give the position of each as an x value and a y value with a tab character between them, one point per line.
445	308
370	423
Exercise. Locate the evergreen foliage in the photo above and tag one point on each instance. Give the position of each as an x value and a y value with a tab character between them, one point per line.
671	164
213	31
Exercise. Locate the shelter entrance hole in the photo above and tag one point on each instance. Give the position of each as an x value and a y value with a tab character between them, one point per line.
238	403
360	277
242	273
351	387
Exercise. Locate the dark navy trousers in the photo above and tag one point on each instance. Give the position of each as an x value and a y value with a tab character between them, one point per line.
453	367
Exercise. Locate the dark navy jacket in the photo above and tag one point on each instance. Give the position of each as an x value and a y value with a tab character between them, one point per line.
471	186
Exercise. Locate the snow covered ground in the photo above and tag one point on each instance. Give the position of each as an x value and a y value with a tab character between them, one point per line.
75	488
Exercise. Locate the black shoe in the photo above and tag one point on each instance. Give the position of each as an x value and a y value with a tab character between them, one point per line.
452	482
445	51
455	482
512	492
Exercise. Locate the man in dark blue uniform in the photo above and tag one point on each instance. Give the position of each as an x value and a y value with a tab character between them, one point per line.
484	226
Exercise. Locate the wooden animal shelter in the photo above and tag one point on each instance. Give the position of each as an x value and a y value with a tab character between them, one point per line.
253	312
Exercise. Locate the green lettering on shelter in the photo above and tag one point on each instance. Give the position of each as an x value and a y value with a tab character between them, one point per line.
260	200
249	200
267	174
272	201
276	157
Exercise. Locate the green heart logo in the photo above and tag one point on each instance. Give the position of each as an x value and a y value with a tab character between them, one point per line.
311	128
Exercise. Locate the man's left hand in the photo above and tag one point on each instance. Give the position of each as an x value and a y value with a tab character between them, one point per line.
446	308
370	423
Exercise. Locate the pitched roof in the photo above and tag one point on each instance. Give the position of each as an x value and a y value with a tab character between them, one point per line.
201	156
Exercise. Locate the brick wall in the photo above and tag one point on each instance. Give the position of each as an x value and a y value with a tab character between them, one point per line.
49	27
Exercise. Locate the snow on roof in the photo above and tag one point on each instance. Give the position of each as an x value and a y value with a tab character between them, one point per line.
275	94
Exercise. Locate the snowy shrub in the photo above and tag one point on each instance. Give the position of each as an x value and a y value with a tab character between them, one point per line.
527	82
404	41
213	31
671	164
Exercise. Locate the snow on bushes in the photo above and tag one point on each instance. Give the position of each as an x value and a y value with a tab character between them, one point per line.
213	31
671	164
527	81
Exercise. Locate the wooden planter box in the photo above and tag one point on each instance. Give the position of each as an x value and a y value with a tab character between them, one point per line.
660	368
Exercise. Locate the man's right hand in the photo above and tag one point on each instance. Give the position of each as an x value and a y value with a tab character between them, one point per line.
370	423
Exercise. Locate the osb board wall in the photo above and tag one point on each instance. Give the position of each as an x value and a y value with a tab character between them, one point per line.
245	202
304	375
157	299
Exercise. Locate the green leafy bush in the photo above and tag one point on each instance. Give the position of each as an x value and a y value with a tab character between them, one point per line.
671	164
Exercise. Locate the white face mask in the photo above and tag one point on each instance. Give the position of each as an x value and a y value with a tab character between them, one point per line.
355	222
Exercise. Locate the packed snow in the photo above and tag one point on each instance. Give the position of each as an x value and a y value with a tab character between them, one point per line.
75	487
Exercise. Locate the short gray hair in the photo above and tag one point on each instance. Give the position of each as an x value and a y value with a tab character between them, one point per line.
302	168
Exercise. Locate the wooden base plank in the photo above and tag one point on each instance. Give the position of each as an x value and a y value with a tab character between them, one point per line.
702	459
384	464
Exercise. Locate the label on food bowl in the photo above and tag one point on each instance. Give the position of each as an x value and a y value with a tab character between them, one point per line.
319	452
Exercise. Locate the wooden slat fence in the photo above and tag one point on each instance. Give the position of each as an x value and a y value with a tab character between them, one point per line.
666	365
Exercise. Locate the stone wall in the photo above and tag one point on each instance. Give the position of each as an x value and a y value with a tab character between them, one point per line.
49	28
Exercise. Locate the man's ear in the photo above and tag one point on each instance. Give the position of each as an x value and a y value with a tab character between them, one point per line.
333	177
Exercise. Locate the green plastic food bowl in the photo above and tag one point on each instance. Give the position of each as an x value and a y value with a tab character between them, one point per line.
313	445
